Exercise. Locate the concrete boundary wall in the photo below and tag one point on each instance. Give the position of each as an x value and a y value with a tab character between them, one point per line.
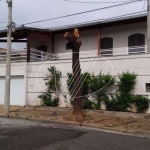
37	71
17	70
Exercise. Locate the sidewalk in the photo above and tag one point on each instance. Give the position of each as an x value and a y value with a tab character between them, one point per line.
138	124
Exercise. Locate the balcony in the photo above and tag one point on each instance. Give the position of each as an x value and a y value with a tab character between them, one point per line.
37	55
124	51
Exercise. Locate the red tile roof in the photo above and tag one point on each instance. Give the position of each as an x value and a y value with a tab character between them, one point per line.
2	49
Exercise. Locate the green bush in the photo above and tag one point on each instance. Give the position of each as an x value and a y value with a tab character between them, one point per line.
111	104
87	104
126	82
53	86
48	101
53	80
122	99
141	103
85	82
98	86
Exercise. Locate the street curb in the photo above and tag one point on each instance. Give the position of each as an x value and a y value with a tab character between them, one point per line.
41	120
127	132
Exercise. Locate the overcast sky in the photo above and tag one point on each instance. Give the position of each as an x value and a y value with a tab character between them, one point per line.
32	10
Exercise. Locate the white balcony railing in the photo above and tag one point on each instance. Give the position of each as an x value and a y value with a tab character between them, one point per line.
37	55
21	55
16	55
124	50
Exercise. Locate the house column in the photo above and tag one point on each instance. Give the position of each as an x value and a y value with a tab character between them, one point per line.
53	40
28	48
99	41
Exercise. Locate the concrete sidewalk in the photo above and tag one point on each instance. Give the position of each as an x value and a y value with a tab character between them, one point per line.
137	124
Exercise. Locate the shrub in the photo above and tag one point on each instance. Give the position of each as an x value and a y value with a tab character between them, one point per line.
141	103
99	85
53	80
53	86
48	101
126	82
119	102
96	85
122	99
111	104
85	82
87	104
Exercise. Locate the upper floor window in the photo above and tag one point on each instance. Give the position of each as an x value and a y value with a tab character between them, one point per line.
136	43
106	46
41	49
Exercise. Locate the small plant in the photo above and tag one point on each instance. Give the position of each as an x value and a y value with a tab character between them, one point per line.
53	86
119	102
48	101
85	81
87	104
85	89
99	85
111	104
126	82
141	103
96	85
122	99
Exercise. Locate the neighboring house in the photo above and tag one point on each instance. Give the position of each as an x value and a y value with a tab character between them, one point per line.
122	43
2	49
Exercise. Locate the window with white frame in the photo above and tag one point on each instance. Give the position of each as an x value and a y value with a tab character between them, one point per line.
136	43
106	46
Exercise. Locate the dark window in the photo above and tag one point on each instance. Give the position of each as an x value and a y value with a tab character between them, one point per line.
106	46
147	87
136	43
42	48
68	46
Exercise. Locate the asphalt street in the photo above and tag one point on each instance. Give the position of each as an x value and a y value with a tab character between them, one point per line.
29	135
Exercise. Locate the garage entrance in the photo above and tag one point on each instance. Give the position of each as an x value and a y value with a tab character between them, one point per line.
17	96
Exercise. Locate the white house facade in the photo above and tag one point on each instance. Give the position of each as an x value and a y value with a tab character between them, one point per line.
108	48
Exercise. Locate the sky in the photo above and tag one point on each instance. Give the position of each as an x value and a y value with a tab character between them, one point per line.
25	11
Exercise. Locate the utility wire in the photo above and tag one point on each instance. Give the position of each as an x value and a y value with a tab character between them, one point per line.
2	27
96	21
86	2
3	1
3	22
93	21
133	1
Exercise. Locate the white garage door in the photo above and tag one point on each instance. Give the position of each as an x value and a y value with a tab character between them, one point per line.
17	95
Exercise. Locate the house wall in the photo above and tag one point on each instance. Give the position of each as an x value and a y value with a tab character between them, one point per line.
36	42
35	72
115	65
120	33
89	39
17	69
18	77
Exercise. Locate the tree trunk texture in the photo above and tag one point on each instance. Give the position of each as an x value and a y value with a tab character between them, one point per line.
75	45
77	112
